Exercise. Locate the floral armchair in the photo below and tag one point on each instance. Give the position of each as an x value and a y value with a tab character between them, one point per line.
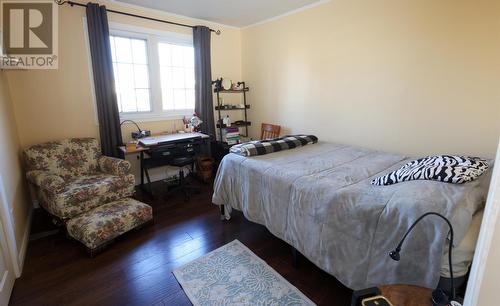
71	176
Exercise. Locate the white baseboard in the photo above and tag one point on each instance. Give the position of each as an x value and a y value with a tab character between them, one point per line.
24	244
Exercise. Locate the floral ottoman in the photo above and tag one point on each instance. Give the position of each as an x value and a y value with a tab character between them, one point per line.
99	226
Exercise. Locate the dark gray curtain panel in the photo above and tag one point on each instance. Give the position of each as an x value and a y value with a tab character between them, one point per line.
104	83
203	75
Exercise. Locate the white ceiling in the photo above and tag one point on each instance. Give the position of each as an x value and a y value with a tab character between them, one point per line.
238	13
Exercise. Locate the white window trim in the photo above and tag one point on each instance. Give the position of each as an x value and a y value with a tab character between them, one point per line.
153	37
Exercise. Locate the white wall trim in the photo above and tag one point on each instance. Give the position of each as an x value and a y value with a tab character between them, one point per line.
488	226
126	29
8	223
300	9
202	21
24	244
193	20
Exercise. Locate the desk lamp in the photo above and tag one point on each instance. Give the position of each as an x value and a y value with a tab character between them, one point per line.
439	297
139	133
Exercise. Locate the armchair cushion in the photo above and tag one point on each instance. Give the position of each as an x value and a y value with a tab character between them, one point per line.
114	166
85	193
46	180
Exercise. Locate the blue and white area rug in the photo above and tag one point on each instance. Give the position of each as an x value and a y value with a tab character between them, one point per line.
234	275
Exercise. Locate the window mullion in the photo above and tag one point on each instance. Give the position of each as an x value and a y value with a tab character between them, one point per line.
154	74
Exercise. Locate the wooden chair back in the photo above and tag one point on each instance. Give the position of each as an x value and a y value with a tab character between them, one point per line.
269	131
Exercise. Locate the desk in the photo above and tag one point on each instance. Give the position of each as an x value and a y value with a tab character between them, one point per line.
162	140
148	142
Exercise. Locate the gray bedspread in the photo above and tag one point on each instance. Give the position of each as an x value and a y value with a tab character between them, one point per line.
319	199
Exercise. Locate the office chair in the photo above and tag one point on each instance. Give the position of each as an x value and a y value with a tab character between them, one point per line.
179	155
181	162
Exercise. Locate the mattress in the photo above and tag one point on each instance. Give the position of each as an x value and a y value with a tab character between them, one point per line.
319	199
463	253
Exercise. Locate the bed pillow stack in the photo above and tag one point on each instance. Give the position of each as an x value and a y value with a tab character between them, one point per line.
443	168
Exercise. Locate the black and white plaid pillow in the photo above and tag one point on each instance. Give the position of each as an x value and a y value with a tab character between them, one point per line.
261	147
443	168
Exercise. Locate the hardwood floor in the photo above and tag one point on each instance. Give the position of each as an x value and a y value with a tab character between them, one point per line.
136	269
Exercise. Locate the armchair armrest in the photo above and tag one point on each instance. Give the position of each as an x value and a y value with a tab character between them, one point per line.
114	166
46	180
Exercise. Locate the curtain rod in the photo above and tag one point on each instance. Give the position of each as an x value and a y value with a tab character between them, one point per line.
71	3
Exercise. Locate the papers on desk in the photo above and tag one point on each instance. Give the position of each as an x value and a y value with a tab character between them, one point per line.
172	138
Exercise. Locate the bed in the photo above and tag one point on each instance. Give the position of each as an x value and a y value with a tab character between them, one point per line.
319	199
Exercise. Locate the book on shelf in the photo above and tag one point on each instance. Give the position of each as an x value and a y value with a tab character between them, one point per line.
231	134
232	141
230	130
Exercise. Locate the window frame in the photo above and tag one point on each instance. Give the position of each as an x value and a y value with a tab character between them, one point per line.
133	35
152	37
157	43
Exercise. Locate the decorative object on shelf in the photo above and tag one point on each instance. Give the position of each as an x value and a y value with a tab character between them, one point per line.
217	84
226	121
187	127
232	107
238	86
195	123
237	123
227	84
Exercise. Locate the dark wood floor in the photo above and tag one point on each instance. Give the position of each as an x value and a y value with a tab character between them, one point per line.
137	268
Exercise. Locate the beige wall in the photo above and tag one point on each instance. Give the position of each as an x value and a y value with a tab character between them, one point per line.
408	76
415	77
10	164
51	105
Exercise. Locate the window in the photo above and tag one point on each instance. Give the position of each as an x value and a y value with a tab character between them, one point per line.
154	73
130	68
177	76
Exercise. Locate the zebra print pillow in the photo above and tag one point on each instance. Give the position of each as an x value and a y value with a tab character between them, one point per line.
443	168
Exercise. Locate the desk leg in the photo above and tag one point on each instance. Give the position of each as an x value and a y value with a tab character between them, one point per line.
141	159
150	189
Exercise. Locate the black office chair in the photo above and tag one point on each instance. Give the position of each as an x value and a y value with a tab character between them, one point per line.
182	185
180	155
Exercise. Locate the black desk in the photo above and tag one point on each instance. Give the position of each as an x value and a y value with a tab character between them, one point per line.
158	151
